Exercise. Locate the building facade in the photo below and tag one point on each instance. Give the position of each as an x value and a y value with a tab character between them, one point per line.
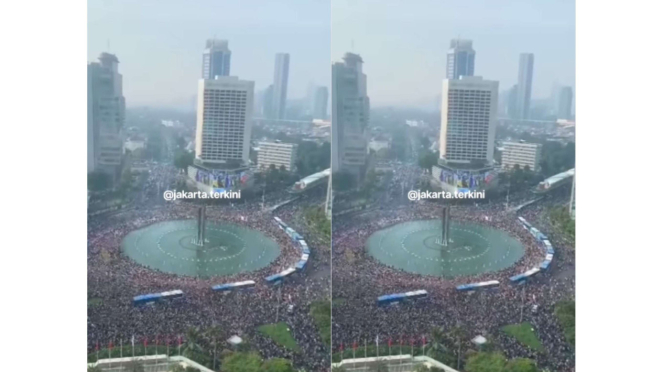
521	154
320	103
350	116
216	59
224	115
106	115
460	59
280	86
564	103
469	113
277	154
525	73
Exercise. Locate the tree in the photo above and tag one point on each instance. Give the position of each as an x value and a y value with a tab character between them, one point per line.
437	347
277	365
183	159
242	362
342	181
428	159
192	343
485	362
213	336
521	365
98	181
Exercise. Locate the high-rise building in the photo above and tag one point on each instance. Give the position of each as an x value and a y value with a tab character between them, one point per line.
223	131
564	103
106	113
350	116
512	106
469	113
267	102
280	88
460	59
320	103
277	154
216	59
525	72
521	154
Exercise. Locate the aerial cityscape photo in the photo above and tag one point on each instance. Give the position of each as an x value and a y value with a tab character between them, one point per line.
208	162
331	185
453	160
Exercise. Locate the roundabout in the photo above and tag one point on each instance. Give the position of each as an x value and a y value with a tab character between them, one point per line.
419	247
173	247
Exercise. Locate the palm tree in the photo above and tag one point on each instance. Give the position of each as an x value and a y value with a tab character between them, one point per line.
213	336
437	345
192	343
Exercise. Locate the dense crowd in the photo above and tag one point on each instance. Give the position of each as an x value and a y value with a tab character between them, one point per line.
359	279
115	279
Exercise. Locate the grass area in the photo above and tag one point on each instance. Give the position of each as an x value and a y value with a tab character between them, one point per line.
566	314
280	333
560	219
92	302
316	218
338	301
321	313
525	333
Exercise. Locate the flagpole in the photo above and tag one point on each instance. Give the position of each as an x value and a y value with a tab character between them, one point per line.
120	347
133	342
97	350
365	348
377	346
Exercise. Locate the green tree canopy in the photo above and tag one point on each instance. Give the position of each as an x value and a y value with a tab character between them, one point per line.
486	362
242	362
521	365
277	365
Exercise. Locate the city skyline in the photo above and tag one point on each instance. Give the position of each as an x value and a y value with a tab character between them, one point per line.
420	33
161	66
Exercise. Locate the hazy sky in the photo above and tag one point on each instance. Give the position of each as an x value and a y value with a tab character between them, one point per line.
160	43
404	43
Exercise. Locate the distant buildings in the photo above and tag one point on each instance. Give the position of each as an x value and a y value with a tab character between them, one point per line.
223	129
572	202
268	102
460	59
280	87
521	154
277	154
564	103
350	116
524	92
216	59
512	105
106	113
320	103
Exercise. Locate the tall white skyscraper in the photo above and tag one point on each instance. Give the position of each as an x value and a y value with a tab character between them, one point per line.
469	112
280	87
350	116
460	59
216	59
106	113
524	95
223	131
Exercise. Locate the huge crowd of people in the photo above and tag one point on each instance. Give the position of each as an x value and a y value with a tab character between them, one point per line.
359	279
114	279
